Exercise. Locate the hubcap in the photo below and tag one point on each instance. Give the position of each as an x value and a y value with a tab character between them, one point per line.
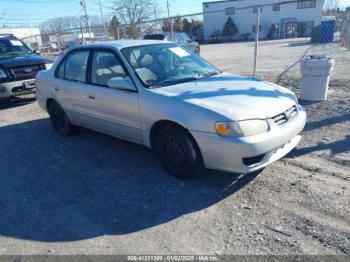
175	152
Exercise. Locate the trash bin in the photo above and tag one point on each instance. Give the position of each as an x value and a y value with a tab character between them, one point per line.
324	33
316	71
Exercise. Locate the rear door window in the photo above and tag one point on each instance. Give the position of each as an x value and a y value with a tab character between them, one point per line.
75	66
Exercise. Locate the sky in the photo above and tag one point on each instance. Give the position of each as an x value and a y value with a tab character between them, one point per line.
34	12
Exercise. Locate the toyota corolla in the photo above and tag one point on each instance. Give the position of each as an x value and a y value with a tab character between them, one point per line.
167	98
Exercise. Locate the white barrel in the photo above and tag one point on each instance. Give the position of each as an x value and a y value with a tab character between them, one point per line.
316	71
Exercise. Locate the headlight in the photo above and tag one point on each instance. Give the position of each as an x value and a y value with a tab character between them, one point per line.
241	128
3	73
48	66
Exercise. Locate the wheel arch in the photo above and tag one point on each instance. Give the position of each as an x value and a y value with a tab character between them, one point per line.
48	103
159	125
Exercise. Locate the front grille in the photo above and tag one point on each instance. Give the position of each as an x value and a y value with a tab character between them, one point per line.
287	115
25	72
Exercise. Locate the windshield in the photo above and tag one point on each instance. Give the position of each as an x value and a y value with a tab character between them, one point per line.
13	48
166	64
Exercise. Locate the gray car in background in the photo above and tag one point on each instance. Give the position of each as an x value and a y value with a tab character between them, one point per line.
182	39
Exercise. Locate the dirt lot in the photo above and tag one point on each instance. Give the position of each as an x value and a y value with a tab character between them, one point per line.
93	194
273	57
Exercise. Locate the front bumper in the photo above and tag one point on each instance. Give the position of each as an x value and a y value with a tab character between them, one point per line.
228	154
16	88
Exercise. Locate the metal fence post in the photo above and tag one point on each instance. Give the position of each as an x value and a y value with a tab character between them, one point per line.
172	29
82	35
37	42
118	33
257	31
140	27
58	42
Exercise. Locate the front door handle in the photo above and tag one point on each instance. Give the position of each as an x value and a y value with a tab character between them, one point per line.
56	89
91	96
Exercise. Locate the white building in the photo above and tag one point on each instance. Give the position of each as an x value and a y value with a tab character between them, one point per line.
279	18
30	35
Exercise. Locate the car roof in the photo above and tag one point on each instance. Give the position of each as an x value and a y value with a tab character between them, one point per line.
125	43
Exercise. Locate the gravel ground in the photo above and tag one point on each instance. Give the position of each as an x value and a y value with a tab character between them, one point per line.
94	194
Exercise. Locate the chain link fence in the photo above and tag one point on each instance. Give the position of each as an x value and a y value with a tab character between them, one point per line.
249	40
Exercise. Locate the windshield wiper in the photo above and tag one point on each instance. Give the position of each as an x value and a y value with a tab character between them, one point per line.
175	81
185	79
212	73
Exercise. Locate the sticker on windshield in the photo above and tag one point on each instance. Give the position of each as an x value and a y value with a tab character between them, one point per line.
16	43
179	51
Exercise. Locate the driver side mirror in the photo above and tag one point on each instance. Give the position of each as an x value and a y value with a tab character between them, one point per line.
37	51
121	83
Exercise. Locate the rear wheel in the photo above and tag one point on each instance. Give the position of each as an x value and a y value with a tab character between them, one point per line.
59	119
178	152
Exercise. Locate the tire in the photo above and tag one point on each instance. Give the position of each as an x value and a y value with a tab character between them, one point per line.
178	152
59	119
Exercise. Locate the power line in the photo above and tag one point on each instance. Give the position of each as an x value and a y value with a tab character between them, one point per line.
35	2
168	7
24	19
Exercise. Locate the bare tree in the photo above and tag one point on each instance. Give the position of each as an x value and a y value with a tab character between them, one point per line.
134	11
59	24
2	15
331	5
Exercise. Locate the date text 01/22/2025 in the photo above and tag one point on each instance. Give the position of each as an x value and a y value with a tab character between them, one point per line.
172	258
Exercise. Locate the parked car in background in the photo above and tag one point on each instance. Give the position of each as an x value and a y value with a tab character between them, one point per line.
181	39
18	67
160	95
49	48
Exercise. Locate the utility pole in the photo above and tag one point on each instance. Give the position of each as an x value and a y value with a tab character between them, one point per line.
83	3
171	22
168	7
155	19
257	31
103	20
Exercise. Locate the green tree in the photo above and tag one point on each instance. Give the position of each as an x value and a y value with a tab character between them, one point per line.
178	25
230	29
132	31
113	28
187	26
197	29
166	26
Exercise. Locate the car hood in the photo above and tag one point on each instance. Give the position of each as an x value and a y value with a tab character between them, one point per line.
235	97
23	60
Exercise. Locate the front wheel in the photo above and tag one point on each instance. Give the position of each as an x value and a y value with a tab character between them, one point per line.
59	119
178	152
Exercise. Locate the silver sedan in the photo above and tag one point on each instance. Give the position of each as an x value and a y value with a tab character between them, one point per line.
169	99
